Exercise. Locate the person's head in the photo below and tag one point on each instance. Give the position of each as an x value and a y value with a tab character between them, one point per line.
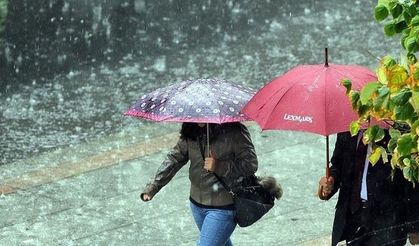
193	130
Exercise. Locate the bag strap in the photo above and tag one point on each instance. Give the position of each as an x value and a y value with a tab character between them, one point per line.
201	148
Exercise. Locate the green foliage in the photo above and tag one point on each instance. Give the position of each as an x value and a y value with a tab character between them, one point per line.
394	98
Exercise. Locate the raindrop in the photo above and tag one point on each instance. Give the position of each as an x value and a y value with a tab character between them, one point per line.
215	187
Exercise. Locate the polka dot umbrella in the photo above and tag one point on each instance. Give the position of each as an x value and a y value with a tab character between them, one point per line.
200	101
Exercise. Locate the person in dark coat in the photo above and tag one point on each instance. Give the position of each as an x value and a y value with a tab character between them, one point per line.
376	204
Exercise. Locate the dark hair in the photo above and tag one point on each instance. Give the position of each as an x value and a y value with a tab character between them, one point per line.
192	130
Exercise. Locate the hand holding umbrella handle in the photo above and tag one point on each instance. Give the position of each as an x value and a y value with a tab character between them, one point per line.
320	189
328	180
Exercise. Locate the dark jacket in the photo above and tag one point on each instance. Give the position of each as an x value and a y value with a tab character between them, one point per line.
234	156
389	196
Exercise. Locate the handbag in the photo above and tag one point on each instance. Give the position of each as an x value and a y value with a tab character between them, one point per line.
251	200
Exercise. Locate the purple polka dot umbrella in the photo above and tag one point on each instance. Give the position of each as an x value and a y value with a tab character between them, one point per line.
201	101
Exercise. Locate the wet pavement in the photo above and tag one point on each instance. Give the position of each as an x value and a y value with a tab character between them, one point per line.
93	199
72	166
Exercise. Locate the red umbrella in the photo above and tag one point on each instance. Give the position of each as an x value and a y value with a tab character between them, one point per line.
309	98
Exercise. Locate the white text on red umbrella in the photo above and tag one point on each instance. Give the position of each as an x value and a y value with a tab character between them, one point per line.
298	118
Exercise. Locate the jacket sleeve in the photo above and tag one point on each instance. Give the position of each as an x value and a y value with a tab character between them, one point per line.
173	162
245	162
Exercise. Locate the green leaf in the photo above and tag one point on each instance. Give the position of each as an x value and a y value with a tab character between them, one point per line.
390	28
398	77
415	99
394	159
400	26
395	9
384	155
370	134
407	17
367	91
405	144
392	144
416	74
411	58
375	156
411	9
348	85
404	112
382	75
380	12
354	128
394	133
355	99
406	162
415	128
402	97
379	135
410	43
407	173
415	21
382	99
388	61
402	40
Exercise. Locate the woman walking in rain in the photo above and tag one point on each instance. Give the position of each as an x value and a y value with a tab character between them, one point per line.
230	155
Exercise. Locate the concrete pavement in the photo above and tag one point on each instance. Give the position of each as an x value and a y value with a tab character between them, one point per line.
88	194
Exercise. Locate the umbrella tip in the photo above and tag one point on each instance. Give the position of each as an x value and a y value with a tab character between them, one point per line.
326	58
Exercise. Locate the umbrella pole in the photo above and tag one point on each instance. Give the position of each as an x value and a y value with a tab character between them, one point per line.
208	146
327	158
320	190
326	58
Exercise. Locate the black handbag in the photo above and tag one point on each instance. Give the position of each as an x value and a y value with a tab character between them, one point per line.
251	200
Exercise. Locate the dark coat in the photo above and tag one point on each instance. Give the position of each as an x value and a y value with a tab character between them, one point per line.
233	152
388	196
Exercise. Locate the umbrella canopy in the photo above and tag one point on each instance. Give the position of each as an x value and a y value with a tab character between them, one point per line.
201	101
308	98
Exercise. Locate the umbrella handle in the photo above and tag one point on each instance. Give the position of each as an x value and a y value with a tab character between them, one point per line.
320	189
208	144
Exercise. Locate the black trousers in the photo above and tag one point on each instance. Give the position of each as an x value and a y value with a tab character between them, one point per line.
370	227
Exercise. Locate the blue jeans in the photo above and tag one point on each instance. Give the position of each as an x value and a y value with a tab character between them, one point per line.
215	225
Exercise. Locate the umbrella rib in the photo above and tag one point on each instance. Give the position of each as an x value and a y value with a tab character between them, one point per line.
289	88
279	100
325	101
